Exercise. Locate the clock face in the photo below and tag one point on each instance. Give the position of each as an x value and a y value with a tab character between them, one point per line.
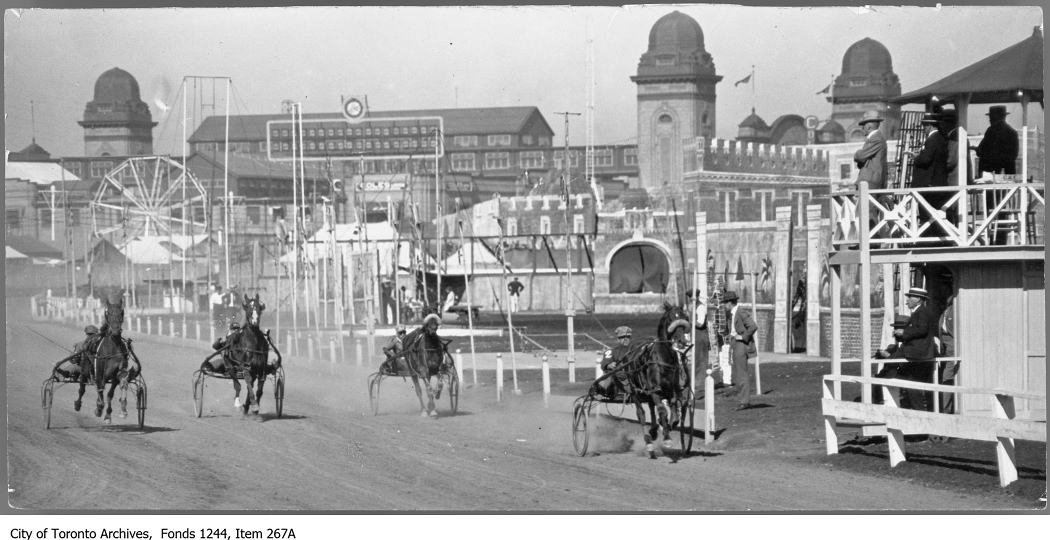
354	108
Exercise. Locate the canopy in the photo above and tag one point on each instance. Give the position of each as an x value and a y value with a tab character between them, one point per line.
995	79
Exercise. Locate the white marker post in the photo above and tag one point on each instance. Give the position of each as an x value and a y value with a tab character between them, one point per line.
709	407
499	376
357	352
546	382
459	365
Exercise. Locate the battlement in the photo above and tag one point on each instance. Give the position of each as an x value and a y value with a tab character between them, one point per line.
579	201
731	156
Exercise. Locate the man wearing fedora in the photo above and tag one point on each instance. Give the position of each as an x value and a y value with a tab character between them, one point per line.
918	346
998	149
742	330
892	351
871	157
931	165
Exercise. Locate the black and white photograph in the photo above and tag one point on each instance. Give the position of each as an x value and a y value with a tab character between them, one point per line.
521	259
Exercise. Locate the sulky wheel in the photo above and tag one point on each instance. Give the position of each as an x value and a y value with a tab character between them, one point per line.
580	436
140	403
198	393
685	428
47	396
373	391
453	391
278	391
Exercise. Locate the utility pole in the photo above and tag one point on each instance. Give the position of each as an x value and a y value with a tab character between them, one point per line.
570	307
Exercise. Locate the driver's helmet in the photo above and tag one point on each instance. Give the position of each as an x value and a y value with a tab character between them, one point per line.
401	330
235	326
90	329
623	332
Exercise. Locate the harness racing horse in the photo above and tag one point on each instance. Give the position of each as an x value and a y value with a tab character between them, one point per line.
247	355
424	354
657	377
111	362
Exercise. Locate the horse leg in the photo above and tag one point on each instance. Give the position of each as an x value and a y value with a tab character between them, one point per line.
640	411
80	394
665	413
100	385
431	408
419	395
653	428
259	381
123	397
109	400
236	390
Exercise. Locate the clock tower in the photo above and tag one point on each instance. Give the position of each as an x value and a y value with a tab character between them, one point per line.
117	122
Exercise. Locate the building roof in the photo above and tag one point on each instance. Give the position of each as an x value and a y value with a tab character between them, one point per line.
116	86
208	163
37	172
12	253
149	250
32	247
995	79
754	121
676	31
867	57
476	121
33	152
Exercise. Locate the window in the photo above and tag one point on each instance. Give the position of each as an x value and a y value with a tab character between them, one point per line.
574	158
463	162
284	146
100	168
396	131
357	132
311	133
74	167
262	146
545	141
465	141
14	218
512	226
766	212
499	140
497	160
845	170
368	132
603	157
531	160
630	156
45	216
545	224
254	214
311	145
339	132
526	140
577	224
728	197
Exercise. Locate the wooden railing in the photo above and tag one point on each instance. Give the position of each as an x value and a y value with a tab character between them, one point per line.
1002	428
998	213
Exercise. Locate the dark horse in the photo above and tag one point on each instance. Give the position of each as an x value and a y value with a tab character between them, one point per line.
110	357
657	376
424	354
247	356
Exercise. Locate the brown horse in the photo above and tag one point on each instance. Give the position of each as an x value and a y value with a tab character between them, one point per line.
656	376
111	362
247	356
425	353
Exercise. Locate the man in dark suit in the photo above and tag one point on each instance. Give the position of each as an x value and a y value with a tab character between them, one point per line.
931	165
741	337
918	346
871	157
999	147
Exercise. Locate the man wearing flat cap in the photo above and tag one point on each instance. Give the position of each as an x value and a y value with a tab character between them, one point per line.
918	346
998	149
742	330
871	157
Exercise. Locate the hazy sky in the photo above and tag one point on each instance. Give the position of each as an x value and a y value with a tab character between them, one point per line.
438	57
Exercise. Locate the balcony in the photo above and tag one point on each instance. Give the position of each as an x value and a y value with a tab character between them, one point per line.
999	219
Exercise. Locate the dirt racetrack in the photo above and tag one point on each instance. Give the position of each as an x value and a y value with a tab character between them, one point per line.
328	452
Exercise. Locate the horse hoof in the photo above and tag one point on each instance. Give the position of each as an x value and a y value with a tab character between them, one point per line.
107	421
423	414
98	412
76	405
123	414
236	402
433	414
667	443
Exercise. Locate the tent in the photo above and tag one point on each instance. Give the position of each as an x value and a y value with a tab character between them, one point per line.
995	79
476	259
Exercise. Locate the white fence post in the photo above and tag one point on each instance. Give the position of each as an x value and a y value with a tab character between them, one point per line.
357	352
572	369
709	407
149	325
499	376
546	382
331	351
459	365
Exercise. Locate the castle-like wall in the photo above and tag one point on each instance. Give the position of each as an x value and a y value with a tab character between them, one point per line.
720	155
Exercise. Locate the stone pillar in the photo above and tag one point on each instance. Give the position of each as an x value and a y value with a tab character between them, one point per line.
782	265
813	267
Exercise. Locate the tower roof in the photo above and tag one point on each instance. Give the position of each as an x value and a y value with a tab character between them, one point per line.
676	31
116	86
754	121
867	74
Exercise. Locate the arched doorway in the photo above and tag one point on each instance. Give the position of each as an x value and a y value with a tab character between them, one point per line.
639	267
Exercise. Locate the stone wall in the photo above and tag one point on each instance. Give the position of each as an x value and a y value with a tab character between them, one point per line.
850	331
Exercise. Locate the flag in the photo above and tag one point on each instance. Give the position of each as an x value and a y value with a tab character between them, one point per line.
825	90
743	81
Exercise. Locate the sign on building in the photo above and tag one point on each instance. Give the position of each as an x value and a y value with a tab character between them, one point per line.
337	139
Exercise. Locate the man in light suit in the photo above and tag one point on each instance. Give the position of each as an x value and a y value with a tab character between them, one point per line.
742	330
871	158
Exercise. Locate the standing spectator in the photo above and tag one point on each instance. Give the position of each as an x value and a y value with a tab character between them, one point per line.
702	347
218	309
450	299
998	149
946	335
871	157
386	300
515	287
742	330
931	166
918	346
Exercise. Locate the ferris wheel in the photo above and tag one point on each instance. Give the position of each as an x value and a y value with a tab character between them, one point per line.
149	196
